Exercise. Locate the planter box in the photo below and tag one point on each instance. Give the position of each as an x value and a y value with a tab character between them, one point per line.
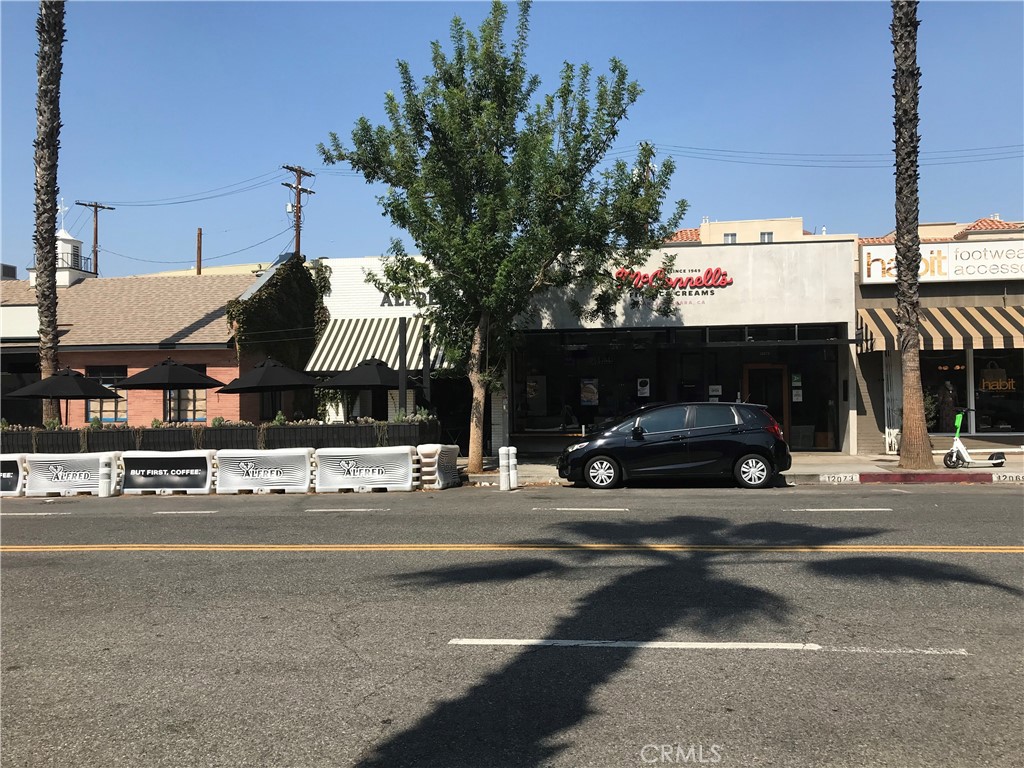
15	442
302	436
228	438
58	441
167	439
106	440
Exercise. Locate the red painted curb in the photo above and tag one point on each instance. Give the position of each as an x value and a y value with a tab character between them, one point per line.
926	477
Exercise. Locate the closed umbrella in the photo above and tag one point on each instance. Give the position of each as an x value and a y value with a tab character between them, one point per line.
168	376
66	384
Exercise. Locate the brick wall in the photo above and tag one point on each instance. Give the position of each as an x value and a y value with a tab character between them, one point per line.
145	405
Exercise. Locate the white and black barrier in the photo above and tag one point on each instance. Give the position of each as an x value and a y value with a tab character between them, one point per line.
67	474
287	470
12	474
391	468
163	472
439	466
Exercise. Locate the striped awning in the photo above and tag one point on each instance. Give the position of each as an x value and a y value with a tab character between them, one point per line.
945	328
350	340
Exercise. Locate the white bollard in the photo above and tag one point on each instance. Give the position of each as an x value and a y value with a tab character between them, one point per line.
513	468
503	468
105	476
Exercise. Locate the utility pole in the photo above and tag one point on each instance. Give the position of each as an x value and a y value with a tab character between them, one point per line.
299	172
96	208
199	251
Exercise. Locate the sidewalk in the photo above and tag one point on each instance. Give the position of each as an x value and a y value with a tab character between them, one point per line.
809	468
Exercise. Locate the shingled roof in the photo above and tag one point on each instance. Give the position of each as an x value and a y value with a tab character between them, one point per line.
148	310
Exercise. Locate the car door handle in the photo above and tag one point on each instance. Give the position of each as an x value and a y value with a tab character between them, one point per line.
678	437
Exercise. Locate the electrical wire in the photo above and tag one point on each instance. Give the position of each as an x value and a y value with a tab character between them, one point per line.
191	261
198	196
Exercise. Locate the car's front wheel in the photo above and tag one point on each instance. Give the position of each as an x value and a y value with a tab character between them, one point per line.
753	471
602	472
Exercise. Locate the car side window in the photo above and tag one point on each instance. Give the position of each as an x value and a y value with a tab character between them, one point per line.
713	416
671	419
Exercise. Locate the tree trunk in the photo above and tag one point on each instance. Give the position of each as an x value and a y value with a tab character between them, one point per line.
50	29
476	381
915	447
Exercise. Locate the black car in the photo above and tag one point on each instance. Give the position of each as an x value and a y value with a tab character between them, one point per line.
739	440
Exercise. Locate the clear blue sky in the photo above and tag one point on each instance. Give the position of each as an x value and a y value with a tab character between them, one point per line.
771	110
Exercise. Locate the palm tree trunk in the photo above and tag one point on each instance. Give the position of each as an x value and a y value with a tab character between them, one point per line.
50	30
477	382
915	447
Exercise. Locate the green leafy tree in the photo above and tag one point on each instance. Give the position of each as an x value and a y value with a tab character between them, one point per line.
915	448
50	31
505	196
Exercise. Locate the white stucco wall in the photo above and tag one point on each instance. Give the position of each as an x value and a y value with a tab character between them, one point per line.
808	282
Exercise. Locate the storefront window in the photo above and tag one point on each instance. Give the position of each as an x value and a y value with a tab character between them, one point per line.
944	381
998	395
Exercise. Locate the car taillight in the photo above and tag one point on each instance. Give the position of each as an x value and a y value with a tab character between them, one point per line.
773	427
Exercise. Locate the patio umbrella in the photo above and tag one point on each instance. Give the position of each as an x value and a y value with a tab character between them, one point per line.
269	376
168	376
66	384
369	374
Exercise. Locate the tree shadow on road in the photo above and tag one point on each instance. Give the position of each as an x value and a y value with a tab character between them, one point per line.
518	716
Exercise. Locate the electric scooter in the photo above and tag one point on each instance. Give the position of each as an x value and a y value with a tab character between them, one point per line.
959	457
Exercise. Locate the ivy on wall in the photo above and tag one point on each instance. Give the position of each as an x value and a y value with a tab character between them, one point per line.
286	317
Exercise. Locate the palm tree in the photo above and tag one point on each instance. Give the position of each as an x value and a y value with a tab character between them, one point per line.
915	448
50	29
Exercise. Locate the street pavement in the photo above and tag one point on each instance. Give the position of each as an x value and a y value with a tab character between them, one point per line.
848	626
809	468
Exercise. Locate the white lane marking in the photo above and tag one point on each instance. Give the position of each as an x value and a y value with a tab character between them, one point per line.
727	646
32	514
641	644
921	651
840	509
353	509
580	509
188	512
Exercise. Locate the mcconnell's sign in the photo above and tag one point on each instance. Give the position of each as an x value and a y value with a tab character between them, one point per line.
695	282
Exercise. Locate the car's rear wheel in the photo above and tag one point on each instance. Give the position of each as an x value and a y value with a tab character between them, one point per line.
602	472
753	471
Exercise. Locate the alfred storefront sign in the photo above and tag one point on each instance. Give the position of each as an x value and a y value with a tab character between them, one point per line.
167	472
949	262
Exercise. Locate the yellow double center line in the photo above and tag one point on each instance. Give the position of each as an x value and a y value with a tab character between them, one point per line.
540	547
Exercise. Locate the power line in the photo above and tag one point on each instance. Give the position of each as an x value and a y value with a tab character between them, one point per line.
199	196
190	261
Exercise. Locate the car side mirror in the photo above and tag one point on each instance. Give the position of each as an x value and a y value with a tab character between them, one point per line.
638	433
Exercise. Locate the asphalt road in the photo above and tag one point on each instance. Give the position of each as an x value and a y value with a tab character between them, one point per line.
317	630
